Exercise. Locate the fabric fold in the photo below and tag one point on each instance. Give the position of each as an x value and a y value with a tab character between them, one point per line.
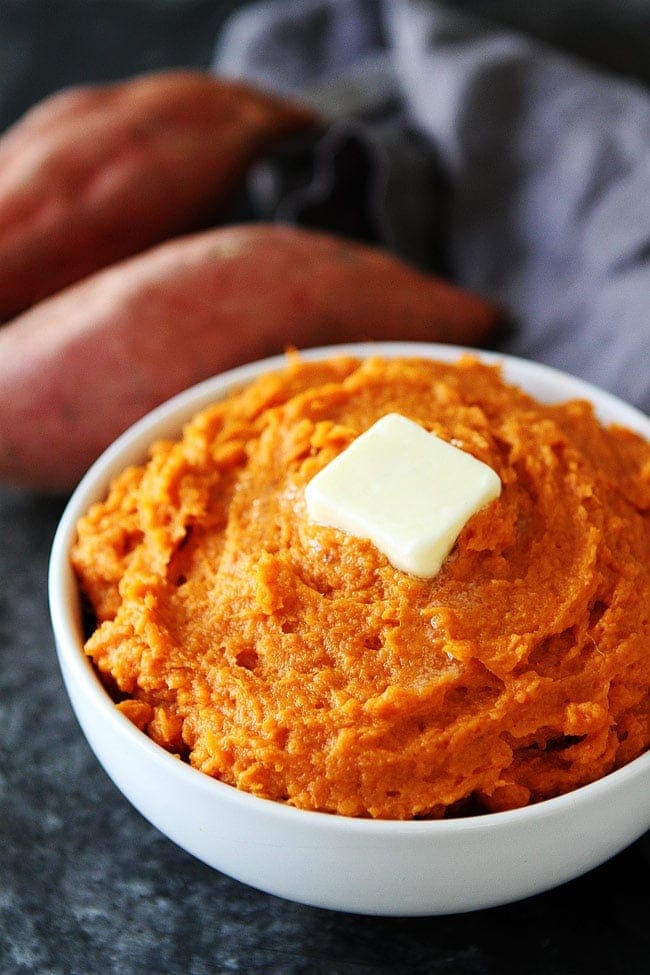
478	152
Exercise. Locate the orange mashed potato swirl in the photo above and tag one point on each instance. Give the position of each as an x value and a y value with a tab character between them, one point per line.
294	662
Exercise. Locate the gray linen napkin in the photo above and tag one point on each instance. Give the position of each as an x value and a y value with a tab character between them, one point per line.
519	171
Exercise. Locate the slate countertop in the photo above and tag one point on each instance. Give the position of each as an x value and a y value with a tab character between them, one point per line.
86	884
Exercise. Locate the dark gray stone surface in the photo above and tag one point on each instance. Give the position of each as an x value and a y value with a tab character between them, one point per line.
87	886
46	44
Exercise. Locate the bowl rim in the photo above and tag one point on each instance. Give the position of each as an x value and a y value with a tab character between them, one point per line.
173	413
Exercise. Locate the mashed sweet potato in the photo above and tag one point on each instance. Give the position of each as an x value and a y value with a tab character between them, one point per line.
294	662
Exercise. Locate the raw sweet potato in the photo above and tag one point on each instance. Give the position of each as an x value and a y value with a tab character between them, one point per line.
94	174
79	367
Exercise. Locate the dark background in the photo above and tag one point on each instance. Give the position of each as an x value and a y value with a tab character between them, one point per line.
46	44
86	885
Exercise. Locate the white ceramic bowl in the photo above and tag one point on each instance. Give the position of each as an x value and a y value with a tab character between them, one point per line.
357	865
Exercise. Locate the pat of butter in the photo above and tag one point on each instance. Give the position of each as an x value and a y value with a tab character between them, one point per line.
405	489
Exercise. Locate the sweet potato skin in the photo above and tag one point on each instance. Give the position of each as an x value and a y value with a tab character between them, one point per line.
97	173
80	367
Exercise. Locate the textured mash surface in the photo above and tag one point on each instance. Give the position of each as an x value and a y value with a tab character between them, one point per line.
293	661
